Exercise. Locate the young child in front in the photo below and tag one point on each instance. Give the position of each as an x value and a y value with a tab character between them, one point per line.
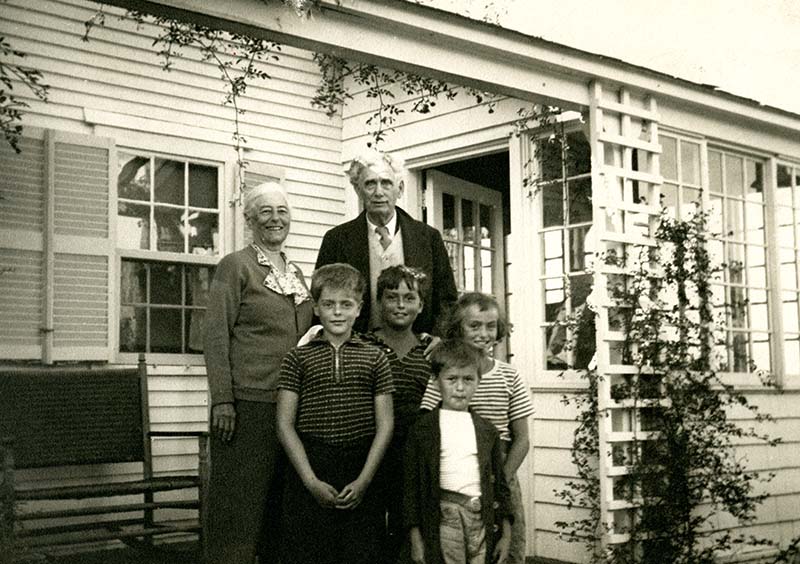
455	495
335	422
501	397
399	298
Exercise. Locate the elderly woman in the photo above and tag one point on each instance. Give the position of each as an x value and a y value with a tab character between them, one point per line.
258	308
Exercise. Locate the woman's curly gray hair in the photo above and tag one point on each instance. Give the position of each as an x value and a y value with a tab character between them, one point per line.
368	159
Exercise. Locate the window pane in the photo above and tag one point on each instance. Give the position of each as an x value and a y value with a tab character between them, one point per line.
739	358
715	171
469	269
735	264
757	276
690	162
669	157
133	226
791	354
552	205
669	199
734	220
785	218
548	153
554	295
784	194
486	271
553	245
450	230
579	154
166	333
133	177
580	200
761	353
203	186
204	233
577	248
198	282
133	329
487	226
468	220
788	276
165	283
579	287
755	179
791	318
755	256
169	182
759	317
737	307
715	216
755	223
133	282
169	229
195	324
734	176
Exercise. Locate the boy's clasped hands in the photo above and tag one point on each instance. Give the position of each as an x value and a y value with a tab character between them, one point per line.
327	496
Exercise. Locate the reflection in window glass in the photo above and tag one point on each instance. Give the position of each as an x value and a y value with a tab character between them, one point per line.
669	157
566	204
162	306
737	203
690	162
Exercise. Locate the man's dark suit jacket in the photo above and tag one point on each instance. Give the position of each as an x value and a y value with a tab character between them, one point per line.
423	248
421	482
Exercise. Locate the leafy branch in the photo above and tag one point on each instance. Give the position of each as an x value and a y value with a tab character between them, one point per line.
380	85
238	58
681	467
11	106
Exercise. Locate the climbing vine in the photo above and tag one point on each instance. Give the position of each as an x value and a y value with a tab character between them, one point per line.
11	105
682	470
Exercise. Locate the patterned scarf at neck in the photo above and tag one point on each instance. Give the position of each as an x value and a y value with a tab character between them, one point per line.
287	283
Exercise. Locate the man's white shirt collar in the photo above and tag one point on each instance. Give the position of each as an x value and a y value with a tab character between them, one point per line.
391	225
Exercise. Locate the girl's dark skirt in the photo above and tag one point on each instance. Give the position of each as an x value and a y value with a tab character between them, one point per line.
312	534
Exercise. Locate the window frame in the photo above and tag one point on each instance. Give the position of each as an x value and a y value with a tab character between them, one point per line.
567	377
225	231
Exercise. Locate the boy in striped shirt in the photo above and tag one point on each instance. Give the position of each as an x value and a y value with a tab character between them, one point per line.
501	397
335	422
399	300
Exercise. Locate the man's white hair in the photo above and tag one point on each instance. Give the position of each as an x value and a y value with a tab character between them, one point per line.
372	158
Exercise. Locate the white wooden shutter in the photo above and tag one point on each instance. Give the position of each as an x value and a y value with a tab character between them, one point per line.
22	200
80	269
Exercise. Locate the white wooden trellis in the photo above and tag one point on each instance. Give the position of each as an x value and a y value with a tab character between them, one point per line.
626	204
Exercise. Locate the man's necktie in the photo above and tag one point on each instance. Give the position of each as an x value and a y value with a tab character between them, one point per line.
383	231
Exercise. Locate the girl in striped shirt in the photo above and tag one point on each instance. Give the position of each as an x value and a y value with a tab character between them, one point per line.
501	397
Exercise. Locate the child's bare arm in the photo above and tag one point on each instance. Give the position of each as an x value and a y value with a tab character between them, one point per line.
352	493
417	546
520	444
324	493
503	543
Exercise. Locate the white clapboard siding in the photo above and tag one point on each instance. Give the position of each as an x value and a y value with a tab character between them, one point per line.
22	185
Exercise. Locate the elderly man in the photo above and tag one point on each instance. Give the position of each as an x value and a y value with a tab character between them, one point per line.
383	235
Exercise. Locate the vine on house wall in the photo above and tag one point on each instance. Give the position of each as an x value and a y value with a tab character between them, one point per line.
689	474
11	105
380	85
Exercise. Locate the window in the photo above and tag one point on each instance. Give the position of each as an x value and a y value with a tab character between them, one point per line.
737	223
680	167
787	212
565	196
168	229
